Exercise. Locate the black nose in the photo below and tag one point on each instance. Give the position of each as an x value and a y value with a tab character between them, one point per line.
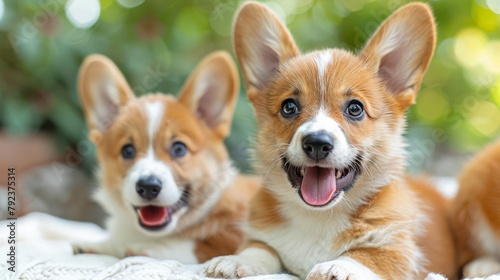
317	145
148	187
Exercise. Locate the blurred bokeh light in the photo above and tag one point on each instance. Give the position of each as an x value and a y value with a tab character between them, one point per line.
83	13
2	9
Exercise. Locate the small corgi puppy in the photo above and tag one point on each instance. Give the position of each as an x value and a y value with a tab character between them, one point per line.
475	214
165	175
334	202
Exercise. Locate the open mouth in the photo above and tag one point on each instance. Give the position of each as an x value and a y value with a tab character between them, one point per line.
155	217
318	186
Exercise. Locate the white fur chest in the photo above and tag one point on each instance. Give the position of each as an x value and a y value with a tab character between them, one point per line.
304	241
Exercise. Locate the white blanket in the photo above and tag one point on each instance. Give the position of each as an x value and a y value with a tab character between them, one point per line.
44	252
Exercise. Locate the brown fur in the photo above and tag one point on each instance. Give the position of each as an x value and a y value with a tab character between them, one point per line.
264	210
220	232
438	243
384	261
477	205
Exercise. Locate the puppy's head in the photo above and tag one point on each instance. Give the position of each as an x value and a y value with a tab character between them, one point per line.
163	162
330	121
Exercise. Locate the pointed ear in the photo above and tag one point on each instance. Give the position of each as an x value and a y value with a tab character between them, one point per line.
262	43
401	49
212	90
103	90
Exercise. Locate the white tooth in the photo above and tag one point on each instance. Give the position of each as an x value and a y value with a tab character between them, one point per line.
302	172
339	174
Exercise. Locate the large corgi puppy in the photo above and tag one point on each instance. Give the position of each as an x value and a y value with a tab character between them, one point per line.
165	176
476	214
334	203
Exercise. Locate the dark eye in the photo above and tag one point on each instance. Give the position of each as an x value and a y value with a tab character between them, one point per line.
128	151
178	149
355	109
289	108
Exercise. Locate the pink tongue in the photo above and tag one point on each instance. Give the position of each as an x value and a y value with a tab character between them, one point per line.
318	185
152	215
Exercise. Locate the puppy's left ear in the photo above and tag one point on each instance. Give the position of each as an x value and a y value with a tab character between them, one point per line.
212	90
401	49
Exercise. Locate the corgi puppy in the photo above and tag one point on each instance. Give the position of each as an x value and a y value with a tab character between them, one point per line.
334	202
475	214
165	175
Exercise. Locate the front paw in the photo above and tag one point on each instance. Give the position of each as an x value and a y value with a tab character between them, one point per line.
330	270
133	250
104	248
341	269
148	250
435	276
482	267
229	267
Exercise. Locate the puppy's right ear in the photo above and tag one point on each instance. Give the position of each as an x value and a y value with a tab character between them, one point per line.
261	43
103	90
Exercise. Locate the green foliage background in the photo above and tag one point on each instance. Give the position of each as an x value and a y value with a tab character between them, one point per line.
41	50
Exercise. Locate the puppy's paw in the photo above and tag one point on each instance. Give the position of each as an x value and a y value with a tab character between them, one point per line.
341	269
83	248
139	250
482	267
148	250
104	248
331	271
229	267
435	276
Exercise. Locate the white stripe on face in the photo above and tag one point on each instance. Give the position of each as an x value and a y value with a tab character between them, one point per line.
151	165
322	60
155	111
